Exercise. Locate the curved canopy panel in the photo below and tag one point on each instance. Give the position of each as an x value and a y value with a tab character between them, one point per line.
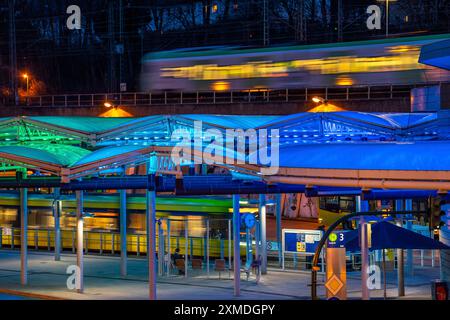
436	54
433	156
105	153
82	124
60	155
231	121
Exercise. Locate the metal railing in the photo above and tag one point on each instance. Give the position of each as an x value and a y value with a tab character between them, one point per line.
223	97
105	242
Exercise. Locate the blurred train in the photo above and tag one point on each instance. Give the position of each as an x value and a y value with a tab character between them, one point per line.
375	62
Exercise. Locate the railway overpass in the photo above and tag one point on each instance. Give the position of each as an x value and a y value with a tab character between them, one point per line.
387	98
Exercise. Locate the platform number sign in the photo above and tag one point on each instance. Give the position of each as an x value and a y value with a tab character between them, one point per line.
336	239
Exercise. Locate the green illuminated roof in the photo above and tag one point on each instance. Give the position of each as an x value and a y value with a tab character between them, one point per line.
85	124
58	154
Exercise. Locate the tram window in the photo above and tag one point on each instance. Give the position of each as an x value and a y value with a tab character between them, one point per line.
9	217
337	204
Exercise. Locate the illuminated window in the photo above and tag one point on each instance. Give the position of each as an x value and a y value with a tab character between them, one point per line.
215	7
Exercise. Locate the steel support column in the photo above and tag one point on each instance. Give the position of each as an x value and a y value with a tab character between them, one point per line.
248	245
229	243
236	245
80	238
123	232
169	249
363	206
262	214
23	236
57	209
279	233
409	253
257	239
400	255
186	248
150	212
207	247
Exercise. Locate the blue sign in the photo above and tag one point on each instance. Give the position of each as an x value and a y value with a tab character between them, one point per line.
272	245
301	241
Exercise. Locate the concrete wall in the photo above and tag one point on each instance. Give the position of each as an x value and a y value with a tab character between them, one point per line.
271	108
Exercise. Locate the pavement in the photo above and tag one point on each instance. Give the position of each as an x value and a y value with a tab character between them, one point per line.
102	280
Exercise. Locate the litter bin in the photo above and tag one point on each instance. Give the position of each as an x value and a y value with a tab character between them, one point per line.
439	290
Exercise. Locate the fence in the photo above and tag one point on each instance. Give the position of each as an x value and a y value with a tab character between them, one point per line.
222	97
108	242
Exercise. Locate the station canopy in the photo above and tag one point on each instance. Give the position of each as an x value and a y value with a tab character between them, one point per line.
313	146
436	54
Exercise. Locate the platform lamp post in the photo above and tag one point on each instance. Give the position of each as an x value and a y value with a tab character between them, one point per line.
236	245
150	212
27	78
387	14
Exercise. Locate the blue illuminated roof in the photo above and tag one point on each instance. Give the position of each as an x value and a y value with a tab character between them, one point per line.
436	54
433	155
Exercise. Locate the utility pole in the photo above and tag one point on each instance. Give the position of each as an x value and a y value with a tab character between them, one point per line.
111	60
300	21
387	18
266	23
13	52
340	21
122	47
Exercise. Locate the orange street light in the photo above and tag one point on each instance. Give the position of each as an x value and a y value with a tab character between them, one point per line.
108	104
319	100
25	76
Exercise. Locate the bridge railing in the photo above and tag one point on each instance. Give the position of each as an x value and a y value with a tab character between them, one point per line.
222	97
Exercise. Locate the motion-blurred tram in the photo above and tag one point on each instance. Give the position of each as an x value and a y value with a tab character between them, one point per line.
374	62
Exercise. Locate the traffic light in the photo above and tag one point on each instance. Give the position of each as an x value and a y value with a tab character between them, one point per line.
437	214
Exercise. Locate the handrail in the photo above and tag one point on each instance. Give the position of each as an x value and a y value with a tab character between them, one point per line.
343	93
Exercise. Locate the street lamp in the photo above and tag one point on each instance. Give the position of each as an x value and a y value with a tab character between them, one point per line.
319	100
25	76
387	15
108	104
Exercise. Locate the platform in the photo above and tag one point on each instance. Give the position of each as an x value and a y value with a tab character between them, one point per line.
47	280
